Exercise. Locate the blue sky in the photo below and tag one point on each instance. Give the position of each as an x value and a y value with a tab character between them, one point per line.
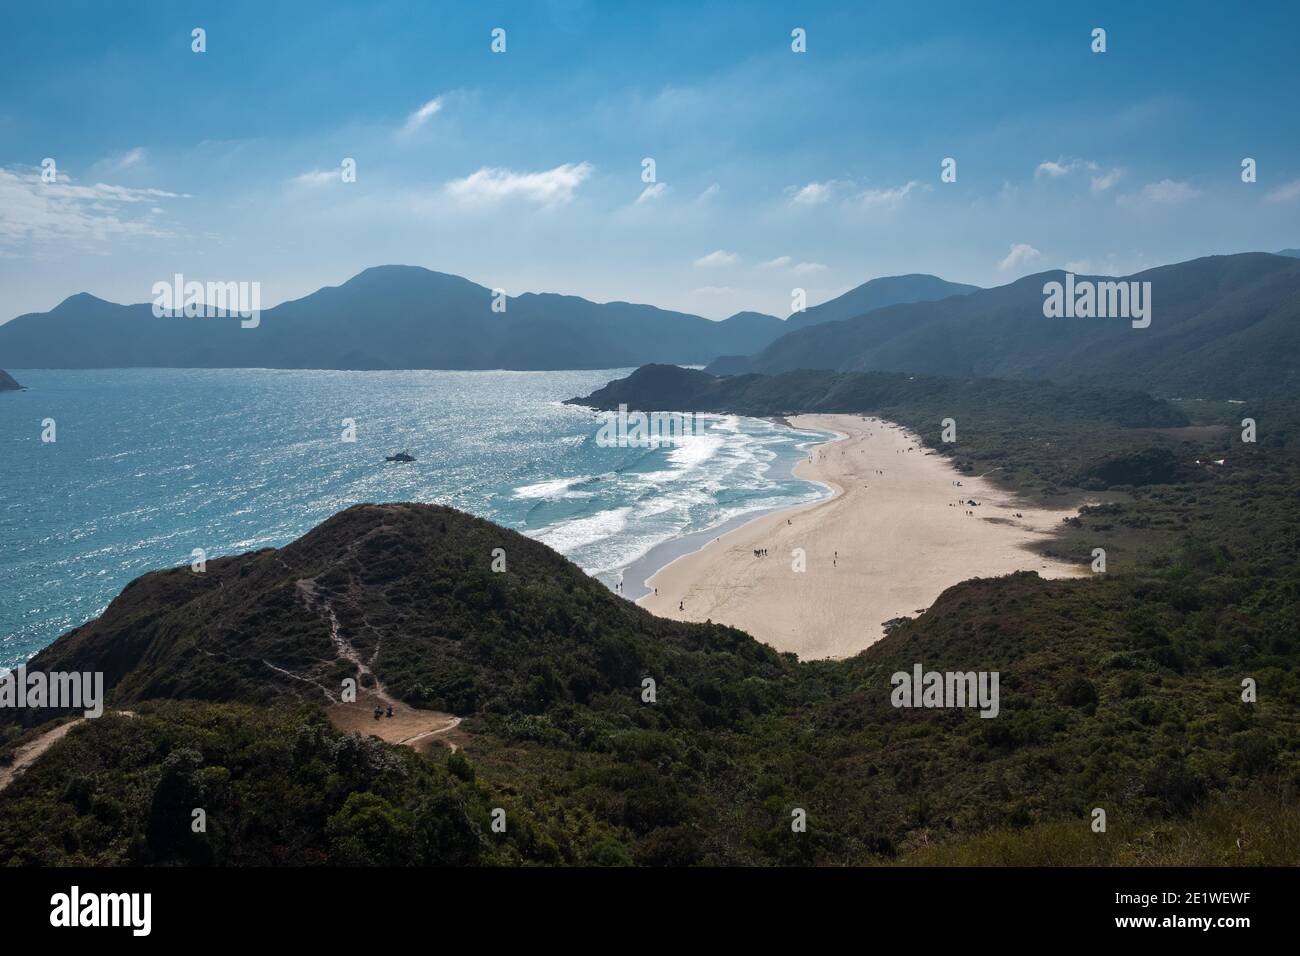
523	170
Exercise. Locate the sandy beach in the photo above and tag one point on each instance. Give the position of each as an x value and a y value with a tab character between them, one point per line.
895	534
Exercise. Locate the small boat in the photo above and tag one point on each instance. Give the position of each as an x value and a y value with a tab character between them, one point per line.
400	456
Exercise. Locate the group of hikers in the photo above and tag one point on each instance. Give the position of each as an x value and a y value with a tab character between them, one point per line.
760	552
379	711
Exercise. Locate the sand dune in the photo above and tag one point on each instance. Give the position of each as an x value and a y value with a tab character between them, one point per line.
884	546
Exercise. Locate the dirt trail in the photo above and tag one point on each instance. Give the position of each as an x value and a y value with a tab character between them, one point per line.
408	725
33	750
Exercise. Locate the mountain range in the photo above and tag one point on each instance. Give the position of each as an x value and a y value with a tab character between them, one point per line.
1224	327
392	317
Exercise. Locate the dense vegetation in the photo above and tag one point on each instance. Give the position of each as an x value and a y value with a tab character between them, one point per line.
1222	327
1122	691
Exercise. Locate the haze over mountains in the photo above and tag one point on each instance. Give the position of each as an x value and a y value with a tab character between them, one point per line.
388	317
1223	327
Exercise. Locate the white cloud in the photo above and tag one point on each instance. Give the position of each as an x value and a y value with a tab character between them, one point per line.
710	191
813	194
1055	169
1286	192
32	210
886	198
1100	180
718	257
653	191
132	157
1104	181
421	116
1167	192
1021	255
798	268
493	184
316	177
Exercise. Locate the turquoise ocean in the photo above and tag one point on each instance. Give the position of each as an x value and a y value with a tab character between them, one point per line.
149	464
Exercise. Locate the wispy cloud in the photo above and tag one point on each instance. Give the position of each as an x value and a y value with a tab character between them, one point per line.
1021	255
653	191
798	268
421	116
1056	168
813	194
132	157
32	210
316	178
718	257
886	198
1104	181
1287	192
494	184
1099	180
1167	192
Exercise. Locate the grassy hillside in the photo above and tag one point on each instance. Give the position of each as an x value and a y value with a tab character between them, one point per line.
1121	691
1222	327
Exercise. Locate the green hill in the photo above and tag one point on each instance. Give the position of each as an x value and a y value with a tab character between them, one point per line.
1222	327
1121	691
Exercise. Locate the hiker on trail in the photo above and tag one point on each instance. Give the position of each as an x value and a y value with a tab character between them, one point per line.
378	712
390	710
681	605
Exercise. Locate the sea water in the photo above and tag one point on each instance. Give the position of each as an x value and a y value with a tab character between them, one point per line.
149	464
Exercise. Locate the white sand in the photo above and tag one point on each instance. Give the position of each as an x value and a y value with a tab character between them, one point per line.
901	537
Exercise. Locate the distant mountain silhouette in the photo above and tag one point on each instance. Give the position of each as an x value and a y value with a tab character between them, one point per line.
392	317
1222	327
876	294
7	383
385	317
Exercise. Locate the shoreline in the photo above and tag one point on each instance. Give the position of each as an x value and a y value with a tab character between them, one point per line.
636	575
821	578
